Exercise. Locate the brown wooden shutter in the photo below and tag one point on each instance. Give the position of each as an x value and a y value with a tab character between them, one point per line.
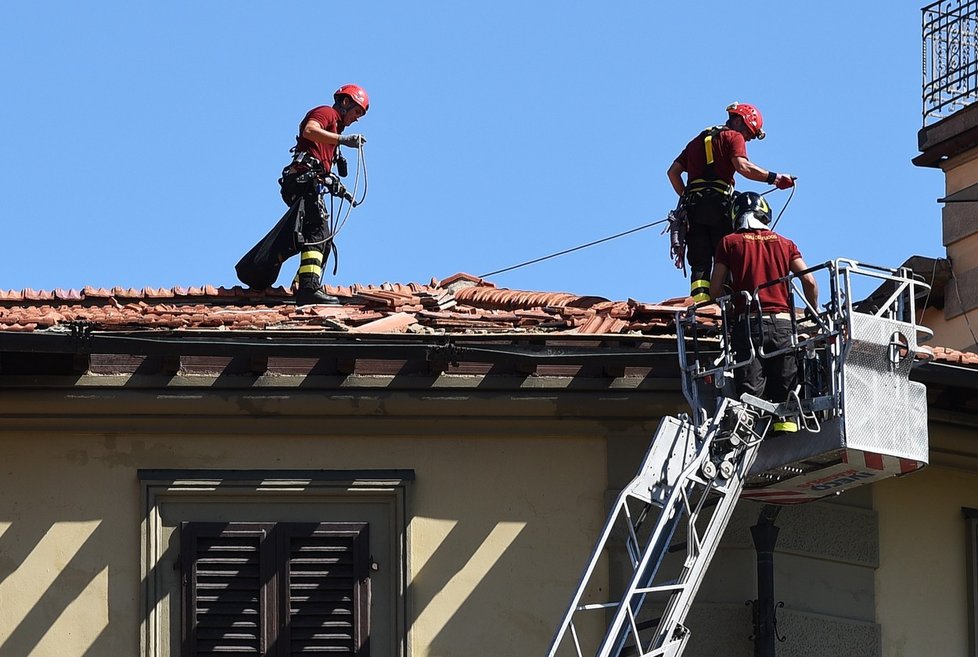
327	589
227	568
275	589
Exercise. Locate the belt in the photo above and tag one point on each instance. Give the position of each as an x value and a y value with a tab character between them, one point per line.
701	184
763	315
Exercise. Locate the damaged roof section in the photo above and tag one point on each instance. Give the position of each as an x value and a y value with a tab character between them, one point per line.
460	304
462	324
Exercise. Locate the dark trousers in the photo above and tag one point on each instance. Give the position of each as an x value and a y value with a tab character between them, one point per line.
768	378
313	222
303	228
708	223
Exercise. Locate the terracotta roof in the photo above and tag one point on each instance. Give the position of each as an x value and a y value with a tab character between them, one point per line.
460	304
946	355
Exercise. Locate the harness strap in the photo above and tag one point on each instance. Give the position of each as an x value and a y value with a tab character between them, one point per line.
708	136
709	182
701	184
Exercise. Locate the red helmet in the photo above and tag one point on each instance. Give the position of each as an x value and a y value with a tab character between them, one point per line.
751	116
356	93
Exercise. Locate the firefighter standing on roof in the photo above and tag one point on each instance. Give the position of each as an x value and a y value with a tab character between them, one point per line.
319	134
754	255
305	228
710	161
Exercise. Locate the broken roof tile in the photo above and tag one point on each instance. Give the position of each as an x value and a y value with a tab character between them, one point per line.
460	277
599	324
396	323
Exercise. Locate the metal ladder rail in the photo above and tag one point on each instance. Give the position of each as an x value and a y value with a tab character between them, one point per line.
647	567
638	489
670	636
676	503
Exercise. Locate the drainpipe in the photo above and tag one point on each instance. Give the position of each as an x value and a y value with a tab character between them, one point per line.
765	535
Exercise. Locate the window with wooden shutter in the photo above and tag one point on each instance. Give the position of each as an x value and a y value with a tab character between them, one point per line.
327	589
275	589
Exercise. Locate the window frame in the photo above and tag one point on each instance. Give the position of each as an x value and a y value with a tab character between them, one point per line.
389	489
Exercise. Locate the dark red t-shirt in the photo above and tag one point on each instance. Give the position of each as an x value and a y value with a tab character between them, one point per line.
755	257
329	119
727	145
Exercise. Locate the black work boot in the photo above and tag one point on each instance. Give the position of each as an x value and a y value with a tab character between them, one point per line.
311	292
305	296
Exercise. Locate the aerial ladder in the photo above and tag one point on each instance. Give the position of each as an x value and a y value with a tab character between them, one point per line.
861	420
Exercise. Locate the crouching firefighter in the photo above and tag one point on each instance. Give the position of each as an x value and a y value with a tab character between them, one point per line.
710	160
305	228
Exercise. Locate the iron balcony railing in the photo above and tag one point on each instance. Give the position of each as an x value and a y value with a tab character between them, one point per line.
950	57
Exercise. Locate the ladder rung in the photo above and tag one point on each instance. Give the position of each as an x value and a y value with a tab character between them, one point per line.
598	605
663	588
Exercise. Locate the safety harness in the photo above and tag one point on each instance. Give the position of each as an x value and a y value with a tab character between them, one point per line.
709	184
307	169
696	190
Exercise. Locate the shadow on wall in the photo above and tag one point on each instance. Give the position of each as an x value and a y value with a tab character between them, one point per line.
481	588
37	544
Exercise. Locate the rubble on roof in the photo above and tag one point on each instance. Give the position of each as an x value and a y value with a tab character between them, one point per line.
459	304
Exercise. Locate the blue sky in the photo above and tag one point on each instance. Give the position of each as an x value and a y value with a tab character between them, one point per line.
142	141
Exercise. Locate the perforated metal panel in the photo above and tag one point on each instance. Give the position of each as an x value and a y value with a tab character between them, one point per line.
884	412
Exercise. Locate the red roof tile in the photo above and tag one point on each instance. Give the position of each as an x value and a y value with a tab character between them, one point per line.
943	354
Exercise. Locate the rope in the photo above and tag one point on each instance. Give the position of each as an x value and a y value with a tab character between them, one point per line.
334	223
785	207
612	237
335	227
571	250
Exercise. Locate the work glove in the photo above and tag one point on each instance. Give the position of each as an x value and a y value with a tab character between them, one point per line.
353	141
784	181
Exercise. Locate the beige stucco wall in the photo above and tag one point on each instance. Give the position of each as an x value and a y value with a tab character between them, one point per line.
499	527
921	583
960	171
964	253
954	333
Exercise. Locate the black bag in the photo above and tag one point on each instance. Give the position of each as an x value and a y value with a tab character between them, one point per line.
260	267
